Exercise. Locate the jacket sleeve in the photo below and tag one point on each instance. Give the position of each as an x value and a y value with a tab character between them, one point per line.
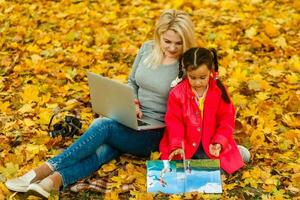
174	122
131	79
224	124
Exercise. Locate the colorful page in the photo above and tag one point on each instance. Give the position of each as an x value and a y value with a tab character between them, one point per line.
177	177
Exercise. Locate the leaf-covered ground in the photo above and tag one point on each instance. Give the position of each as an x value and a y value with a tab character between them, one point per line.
46	48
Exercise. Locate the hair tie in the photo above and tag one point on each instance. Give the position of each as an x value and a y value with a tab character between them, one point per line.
175	82
216	75
195	57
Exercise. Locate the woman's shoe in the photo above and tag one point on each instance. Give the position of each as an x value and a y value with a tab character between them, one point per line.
38	189
43	188
245	153
21	183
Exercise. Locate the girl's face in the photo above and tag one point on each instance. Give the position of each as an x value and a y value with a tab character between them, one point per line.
199	77
171	44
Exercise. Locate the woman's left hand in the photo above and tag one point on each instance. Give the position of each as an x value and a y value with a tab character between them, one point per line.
215	149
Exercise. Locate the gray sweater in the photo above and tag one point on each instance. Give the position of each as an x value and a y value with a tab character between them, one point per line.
152	86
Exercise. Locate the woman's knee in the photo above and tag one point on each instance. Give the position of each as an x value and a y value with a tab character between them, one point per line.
102	121
105	153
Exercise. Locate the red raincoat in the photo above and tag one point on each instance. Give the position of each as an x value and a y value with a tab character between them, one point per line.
184	123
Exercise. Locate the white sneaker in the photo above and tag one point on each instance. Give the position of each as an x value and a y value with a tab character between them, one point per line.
43	188
245	153
39	189
21	183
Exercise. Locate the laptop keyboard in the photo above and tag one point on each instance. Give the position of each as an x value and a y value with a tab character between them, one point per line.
141	123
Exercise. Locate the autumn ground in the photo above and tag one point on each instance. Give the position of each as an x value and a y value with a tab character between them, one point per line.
46	48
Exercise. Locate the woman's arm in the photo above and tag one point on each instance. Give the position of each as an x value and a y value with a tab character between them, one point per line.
132	79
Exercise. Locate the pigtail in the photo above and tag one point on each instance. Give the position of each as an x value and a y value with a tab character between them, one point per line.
180	73
219	83
180	70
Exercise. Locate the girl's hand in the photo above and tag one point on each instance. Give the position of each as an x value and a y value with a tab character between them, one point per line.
138	111
215	149
176	152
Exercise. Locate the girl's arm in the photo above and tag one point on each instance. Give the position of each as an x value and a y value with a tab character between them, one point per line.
174	122
225	124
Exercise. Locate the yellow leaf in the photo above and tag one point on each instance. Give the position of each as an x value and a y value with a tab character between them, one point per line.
71	104
177	4
35	58
4	107
293	189
3	190
45	98
257	138
29	122
296	180
155	155
109	166
175	197
291	120
111	196
31	197
293	78
35	149
44	116
262	96
271	30
140	195
251	32
9	170
44	40
294	63
26	108
280	42
292	135
254	85
239	100
271	181
12	197
33	48
30	94
275	72
121	78
230	186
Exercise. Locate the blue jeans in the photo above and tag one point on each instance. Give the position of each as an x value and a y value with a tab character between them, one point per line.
104	140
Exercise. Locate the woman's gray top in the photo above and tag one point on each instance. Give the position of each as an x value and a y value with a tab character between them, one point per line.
152	86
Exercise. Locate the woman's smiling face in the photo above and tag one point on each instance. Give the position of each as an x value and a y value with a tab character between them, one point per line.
171	44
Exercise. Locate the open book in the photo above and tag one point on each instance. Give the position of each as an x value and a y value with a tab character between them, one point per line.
176	177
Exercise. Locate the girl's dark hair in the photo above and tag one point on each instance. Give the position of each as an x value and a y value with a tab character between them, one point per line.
195	57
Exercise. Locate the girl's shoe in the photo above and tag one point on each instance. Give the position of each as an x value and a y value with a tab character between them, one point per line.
21	183
245	153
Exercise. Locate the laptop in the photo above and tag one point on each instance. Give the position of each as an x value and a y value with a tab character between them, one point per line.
115	100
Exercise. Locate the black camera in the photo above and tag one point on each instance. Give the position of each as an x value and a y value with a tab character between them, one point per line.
67	128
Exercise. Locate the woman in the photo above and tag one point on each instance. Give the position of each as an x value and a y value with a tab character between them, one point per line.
155	66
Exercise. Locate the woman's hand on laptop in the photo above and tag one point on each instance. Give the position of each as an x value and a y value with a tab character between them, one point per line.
138	111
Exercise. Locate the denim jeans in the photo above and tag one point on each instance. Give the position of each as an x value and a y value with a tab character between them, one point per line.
104	140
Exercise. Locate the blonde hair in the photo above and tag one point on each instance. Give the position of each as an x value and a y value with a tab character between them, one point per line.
177	21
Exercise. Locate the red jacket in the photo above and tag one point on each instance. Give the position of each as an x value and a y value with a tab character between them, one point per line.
184	123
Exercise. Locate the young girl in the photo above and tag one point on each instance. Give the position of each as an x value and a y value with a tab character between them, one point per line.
200	115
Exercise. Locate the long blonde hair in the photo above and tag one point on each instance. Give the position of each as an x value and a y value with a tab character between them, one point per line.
177	21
